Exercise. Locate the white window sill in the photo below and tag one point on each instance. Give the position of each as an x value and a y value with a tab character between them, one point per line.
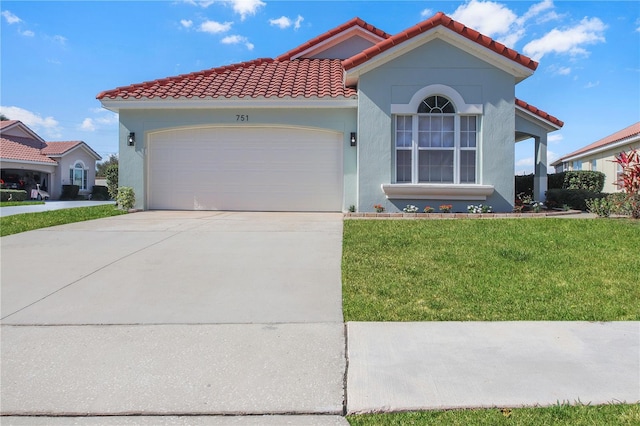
433	191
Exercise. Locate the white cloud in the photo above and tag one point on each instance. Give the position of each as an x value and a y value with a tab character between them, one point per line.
237	39
88	125
497	21
554	138
47	125
568	41
10	17
201	3
559	70
282	22
592	84
187	23
426	13
213	27
59	39
246	7
524	162
298	22
27	33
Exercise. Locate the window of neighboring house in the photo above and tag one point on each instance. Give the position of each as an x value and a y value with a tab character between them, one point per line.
594	165
78	175
577	165
436	145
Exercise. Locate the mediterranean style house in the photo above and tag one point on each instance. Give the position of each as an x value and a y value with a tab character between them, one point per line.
352	118
26	161
599	155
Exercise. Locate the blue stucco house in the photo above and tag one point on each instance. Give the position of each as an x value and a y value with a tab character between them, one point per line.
354	117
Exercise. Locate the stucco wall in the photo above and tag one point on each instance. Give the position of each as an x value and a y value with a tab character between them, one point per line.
397	81
605	164
61	177
132	167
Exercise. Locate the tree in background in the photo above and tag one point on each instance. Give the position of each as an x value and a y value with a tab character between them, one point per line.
101	168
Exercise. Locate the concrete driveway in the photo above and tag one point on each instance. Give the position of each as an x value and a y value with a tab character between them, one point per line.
175	313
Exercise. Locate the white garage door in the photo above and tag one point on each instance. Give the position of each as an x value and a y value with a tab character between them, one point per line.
259	169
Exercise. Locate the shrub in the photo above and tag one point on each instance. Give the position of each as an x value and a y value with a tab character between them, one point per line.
111	174
584	179
69	192
14	194
620	203
555	180
599	206
629	179
524	185
574	198
126	198
100	193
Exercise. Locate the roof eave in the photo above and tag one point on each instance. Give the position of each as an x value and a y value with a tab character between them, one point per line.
616	144
529	115
39	163
116	105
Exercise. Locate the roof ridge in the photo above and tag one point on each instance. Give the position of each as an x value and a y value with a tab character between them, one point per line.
332	32
439	19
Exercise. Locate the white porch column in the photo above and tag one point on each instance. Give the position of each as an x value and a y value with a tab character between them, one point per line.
540	172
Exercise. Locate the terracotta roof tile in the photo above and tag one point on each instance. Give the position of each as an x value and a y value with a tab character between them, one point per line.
23	149
439	19
539	113
255	79
627	132
327	35
59	148
6	123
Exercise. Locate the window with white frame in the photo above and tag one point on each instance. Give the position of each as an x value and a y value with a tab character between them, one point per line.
594	165
436	144
576	165
78	175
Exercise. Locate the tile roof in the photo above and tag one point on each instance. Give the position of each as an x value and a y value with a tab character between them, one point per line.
331	33
59	148
299	78
626	133
439	19
23	149
539	113
6	123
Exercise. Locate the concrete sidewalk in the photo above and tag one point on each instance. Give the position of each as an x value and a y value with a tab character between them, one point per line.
448	365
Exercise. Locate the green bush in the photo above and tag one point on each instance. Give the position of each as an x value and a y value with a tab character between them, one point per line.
599	206
584	179
524	185
69	192
126	198
100	193
112	180
574	198
555	180
14	194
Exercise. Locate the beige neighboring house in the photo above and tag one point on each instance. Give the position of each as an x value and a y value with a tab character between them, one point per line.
599	155
27	160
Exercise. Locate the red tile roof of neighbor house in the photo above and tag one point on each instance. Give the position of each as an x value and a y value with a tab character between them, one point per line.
539	113
626	133
306	78
23	149
59	148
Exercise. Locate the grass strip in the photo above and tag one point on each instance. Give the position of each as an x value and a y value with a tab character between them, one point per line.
557	415
491	270
29	221
19	203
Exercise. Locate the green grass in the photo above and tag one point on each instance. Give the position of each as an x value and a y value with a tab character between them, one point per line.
491	270
561	414
19	203
29	221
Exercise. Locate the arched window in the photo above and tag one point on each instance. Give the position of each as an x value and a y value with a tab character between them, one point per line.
78	175
436	144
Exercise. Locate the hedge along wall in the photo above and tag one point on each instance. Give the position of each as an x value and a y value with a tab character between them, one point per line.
586	180
14	194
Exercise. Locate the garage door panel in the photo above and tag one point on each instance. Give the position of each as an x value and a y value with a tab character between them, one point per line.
271	169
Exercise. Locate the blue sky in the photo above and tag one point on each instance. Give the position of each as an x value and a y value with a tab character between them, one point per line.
57	56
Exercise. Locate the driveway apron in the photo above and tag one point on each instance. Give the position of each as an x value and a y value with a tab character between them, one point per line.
175	313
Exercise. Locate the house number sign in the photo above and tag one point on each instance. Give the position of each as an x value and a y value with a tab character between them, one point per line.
242	117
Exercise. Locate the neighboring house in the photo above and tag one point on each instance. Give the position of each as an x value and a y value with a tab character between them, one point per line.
353	117
599	155
26	158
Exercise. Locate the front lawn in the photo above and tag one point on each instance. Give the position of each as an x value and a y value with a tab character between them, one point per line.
561	414
30	221
19	203
491	270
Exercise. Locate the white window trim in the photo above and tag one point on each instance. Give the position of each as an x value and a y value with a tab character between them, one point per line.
85	174
437	89
435	191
